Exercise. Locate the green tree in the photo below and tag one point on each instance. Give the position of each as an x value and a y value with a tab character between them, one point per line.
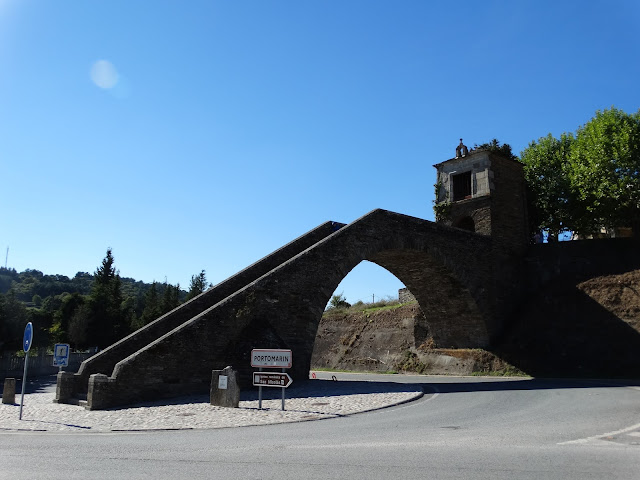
198	285
79	325
588	181
152	307
13	318
106	322
170	297
339	301
64	306
546	166
605	171
494	146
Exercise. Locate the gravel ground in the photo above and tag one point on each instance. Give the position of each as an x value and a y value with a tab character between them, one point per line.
312	400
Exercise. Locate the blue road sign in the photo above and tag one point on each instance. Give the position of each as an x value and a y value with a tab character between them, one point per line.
61	355
26	345
28	337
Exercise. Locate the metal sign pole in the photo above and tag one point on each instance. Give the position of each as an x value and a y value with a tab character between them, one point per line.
260	394
283	389
24	381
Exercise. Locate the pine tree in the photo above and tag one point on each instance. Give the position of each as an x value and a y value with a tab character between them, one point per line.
170	297
152	307
198	285
106	321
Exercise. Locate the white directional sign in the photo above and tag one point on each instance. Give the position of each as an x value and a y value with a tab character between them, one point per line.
271	379
271	358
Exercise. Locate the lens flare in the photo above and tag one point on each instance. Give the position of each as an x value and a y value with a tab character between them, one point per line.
104	74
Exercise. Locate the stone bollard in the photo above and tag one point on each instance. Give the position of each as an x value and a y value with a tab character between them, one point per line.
65	386
225	390
9	391
98	392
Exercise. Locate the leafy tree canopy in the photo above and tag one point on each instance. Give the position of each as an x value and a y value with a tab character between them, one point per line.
605	170
546	164
587	181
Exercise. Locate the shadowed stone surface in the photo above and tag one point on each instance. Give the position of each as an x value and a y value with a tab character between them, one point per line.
9	391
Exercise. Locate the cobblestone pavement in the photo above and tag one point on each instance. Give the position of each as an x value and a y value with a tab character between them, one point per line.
312	400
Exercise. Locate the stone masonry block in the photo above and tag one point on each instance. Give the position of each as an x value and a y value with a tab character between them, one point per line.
98	397
9	392
225	389
64	387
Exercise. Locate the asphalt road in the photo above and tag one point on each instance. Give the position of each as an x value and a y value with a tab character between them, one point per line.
464	428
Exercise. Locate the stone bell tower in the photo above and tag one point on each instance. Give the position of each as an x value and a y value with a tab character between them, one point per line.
484	191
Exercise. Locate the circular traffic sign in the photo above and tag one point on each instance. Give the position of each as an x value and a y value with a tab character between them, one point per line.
28	337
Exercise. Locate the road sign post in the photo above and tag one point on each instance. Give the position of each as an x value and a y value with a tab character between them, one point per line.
61	355
27	340
283	388
260	394
271	358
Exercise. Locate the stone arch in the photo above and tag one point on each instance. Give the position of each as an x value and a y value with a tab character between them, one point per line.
440	268
449	271
465	223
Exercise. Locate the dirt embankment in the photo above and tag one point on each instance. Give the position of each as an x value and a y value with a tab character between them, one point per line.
618	294
392	339
570	328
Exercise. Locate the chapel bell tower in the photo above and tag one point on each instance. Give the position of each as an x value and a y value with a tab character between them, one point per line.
484	191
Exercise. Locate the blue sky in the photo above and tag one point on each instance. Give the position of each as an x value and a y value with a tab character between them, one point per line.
206	134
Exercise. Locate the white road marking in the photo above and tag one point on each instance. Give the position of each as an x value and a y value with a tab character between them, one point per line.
598	438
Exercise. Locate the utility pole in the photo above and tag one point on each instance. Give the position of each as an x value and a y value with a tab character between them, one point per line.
6	258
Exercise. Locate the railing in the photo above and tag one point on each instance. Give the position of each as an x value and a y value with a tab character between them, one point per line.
42	364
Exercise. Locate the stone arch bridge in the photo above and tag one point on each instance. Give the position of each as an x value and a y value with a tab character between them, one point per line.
278	303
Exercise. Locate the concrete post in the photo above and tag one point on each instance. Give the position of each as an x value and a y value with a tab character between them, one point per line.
225	390
9	391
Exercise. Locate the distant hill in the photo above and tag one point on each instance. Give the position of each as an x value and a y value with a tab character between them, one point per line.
53	302
32	282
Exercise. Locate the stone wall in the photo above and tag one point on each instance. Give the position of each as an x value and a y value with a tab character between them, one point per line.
405	296
41	364
580	259
509	222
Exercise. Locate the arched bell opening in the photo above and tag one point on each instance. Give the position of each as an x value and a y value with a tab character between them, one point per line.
465	223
